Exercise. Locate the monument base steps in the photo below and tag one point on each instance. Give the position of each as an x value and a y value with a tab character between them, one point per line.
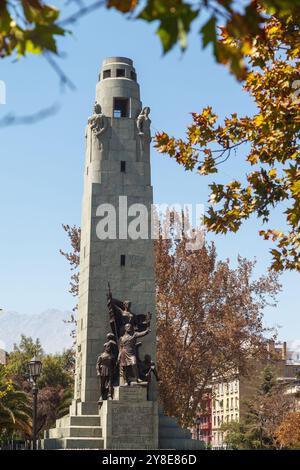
129	421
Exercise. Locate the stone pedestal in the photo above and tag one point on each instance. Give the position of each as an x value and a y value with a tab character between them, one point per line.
129	421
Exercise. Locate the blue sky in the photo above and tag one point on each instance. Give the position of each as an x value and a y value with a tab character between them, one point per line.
42	164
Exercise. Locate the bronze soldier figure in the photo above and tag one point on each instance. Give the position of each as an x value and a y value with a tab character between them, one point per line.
128	355
147	369
106	367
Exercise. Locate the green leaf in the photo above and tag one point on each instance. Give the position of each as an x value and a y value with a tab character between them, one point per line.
5	19
175	19
209	32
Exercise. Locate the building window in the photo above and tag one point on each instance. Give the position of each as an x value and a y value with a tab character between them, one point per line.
120	72
123	167
107	73
133	75
122	260
120	107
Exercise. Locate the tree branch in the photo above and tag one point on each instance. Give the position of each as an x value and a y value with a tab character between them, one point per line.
83	11
11	119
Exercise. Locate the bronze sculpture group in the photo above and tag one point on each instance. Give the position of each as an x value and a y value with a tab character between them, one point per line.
119	363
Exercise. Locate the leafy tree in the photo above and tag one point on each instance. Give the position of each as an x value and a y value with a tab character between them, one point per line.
22	353
237	436
55	383
72	256
28	26
65	402
53	403
209	321
288	432
74	234
270	140
56	388
264	412
268	383
57	369
29	347
55	372
15	411
31	26
240	23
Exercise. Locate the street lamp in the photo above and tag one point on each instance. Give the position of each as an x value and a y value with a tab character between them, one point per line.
35	367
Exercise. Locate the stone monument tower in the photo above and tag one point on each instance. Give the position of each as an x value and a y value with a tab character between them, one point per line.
117	173
116	261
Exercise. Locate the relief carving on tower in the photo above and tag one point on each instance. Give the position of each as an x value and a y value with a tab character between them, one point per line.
143	123
98	124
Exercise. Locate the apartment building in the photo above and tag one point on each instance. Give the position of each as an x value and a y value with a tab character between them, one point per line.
291	387
225	407
228	398
202	430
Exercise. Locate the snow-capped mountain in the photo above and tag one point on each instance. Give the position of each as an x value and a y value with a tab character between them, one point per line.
48	326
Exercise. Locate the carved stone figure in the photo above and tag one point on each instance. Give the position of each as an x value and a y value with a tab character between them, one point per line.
106	368
143	123
98	124
127	358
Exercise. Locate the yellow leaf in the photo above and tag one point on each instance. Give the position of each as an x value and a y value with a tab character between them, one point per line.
259	119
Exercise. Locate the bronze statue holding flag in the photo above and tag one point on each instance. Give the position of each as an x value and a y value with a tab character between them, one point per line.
120	314
121	349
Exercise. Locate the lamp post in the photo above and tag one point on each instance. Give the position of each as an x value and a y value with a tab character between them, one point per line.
35	367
